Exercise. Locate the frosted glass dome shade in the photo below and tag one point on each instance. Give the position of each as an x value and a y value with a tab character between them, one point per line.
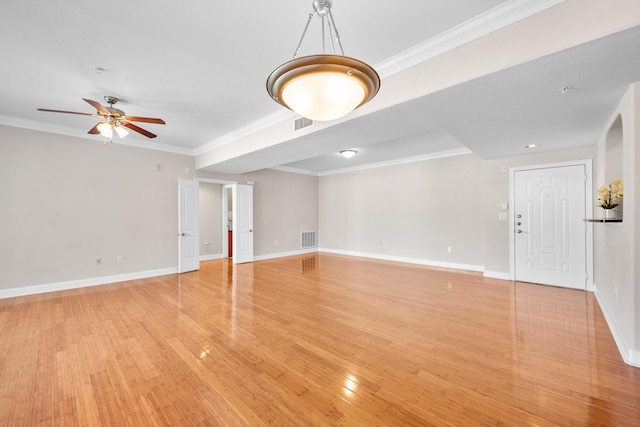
323	87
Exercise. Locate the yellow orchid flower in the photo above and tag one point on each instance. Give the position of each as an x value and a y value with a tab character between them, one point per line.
611	195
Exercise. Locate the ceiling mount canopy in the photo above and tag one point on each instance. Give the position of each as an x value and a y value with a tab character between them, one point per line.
325	86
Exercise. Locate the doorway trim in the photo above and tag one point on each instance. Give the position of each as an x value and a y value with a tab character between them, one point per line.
588	168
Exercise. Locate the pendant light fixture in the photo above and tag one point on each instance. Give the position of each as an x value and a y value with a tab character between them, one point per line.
325	86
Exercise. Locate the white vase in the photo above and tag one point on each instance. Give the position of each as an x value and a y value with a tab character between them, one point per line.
609	214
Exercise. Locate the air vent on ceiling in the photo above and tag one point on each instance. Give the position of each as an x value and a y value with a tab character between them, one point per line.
307	239
302	123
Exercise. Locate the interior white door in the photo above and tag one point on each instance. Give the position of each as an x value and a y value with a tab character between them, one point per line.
188	226
242	223
550	232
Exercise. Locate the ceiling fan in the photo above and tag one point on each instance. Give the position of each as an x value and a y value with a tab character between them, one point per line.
113	119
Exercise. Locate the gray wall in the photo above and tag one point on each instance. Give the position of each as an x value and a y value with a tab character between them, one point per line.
210	215
414	210
67	201
617	246
419	209
284	205
496	190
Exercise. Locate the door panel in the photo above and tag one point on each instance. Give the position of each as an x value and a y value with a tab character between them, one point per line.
188	226
242	223
550	232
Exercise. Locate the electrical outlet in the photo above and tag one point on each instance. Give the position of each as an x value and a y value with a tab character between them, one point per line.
275	243
98	261
448	249
120	258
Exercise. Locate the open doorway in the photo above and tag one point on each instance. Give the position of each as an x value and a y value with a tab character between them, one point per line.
227	217
202	221
234	217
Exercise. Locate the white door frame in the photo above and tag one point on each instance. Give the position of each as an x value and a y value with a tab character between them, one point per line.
588	167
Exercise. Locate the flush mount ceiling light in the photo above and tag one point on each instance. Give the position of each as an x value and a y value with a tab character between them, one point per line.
348	153
325	86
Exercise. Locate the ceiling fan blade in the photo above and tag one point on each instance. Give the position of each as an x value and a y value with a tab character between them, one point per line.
94	130
138	129
145	119
67	112
97	106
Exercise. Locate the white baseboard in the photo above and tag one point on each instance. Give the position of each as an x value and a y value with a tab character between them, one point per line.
285	254
82	283
210	257
430	263
629	355
497	275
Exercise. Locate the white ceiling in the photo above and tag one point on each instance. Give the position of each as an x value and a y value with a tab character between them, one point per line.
202	67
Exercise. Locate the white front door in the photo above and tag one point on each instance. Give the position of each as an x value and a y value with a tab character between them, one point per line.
188	226
550	239
242	223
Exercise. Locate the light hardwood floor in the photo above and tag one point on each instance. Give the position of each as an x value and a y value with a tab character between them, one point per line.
316	340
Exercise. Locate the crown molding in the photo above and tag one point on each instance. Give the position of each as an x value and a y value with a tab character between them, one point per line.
251	128
295	170
69	131
479	26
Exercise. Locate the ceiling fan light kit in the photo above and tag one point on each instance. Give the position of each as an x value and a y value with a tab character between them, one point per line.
326	86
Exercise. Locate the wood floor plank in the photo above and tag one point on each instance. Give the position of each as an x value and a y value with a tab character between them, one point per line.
319	339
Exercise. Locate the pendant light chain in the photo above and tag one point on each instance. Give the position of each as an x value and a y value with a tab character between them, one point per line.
330	22
306	27
331	25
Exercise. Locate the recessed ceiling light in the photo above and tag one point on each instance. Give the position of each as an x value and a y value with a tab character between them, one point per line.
531	146
348	153
565	89
98	69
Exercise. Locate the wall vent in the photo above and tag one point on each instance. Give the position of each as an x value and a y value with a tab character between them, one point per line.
308	239
302	123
